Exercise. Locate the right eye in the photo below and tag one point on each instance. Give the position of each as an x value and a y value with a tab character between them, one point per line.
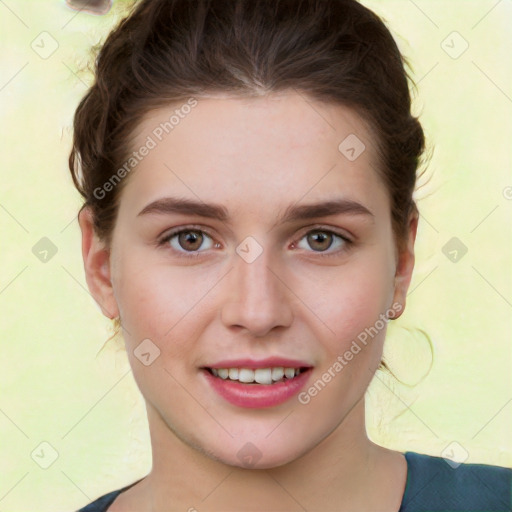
186	241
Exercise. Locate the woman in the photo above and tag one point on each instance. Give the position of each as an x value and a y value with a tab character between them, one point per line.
248	169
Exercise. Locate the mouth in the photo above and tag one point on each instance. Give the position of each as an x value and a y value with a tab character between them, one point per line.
257	385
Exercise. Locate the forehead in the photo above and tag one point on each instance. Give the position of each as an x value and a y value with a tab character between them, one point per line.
264	152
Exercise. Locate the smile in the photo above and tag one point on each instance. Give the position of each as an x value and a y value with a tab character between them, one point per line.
266	384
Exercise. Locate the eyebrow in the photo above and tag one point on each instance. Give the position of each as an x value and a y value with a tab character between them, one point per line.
169	205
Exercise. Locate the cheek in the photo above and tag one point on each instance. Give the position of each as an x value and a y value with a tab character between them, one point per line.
157	301
349	299
167	306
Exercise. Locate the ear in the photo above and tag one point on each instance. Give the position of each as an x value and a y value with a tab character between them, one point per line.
405	265
96	258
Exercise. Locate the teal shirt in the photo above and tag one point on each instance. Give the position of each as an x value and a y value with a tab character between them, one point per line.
435	486
432	486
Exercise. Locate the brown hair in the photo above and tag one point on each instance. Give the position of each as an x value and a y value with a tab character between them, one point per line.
169	50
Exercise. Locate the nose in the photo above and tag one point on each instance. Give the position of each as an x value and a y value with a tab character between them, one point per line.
258	299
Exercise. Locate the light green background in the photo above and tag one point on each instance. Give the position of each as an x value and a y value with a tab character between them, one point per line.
55	390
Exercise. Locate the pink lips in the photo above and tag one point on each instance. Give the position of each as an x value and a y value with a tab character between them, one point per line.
258	395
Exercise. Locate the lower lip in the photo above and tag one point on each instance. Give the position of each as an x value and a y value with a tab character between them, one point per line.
257	395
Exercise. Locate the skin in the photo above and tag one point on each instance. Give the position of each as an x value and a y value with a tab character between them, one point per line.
256	157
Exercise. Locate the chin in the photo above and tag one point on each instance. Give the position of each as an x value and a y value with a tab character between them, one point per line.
256	455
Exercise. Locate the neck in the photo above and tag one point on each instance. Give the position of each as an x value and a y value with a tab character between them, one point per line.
345	471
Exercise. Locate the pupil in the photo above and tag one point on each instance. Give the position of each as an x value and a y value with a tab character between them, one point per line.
319	237
191	238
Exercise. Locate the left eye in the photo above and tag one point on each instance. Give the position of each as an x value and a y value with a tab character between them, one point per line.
320	240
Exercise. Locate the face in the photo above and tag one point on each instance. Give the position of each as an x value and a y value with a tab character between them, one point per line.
247	239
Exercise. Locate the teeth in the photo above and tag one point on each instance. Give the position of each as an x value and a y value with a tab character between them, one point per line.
277	373
260	375
246	375
289	372
223	373
264	375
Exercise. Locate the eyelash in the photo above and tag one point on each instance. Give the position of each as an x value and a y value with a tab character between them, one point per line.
347	243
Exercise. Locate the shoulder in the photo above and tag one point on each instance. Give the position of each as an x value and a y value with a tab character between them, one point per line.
102	503
435	484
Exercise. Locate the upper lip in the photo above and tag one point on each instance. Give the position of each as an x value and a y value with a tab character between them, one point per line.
270	362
